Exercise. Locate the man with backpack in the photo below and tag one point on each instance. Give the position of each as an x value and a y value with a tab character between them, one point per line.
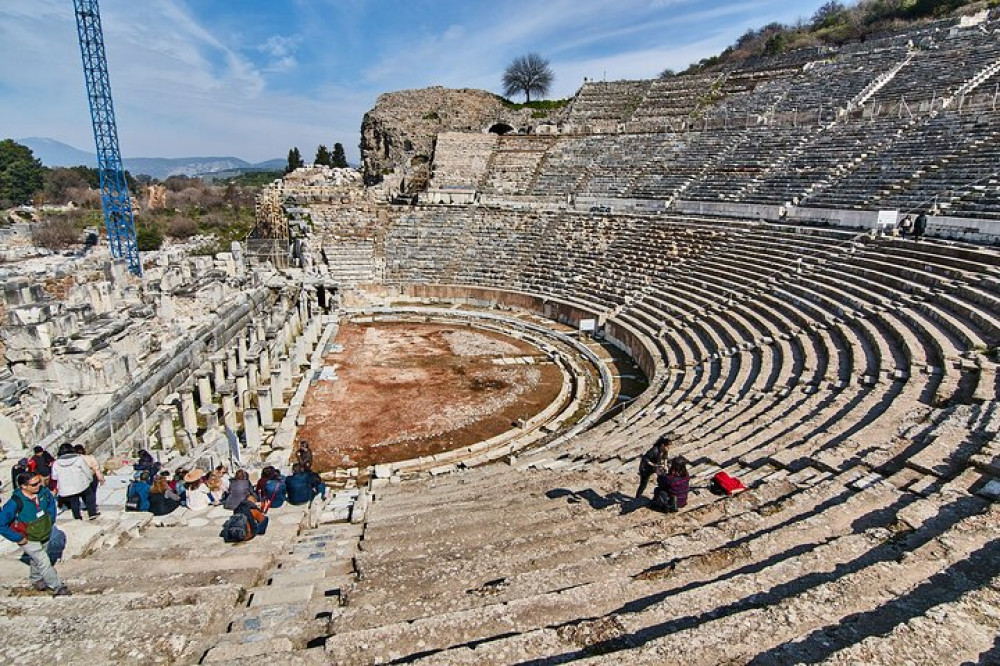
27	519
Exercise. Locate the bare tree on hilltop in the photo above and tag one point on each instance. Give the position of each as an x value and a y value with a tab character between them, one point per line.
528	74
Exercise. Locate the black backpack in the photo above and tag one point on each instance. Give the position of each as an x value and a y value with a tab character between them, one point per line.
236	529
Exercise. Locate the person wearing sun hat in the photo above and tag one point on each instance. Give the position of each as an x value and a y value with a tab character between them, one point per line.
196	493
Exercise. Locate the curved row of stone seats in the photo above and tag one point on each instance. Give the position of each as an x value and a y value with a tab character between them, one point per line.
636	579
909	162
601	106
941	66
823	159
969	159
898	166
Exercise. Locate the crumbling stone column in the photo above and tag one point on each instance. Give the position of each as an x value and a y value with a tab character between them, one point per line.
287	375
301	357
168	441
277	392
211	416
229	406
189	416
264	406
204	388
265	364
231	364
253	379
251	428
241	350
242	385
261	329
219	368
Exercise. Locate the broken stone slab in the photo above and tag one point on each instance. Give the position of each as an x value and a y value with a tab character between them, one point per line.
280	596
240	651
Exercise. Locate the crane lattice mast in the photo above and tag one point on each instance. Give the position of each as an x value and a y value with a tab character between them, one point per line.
115	200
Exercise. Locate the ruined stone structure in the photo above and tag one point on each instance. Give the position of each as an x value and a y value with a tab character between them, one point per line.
399	134
847	375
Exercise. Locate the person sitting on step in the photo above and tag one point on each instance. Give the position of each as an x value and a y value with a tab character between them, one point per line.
240	489
299	485
672	487
162	498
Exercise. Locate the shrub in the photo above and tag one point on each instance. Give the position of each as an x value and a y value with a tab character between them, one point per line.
181	227
57	233
148	236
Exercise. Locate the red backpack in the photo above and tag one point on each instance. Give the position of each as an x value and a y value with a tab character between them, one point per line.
724	484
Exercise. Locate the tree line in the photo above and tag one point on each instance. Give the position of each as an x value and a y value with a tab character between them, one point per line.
324	157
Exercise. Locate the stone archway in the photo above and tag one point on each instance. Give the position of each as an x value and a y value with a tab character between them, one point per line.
501	129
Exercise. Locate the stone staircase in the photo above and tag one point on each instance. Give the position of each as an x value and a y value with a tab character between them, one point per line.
169	590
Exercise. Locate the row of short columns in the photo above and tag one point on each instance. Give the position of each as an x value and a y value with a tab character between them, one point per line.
258	369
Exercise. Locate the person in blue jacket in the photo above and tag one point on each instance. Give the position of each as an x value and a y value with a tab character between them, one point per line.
138	492
299	485
274	491
27	519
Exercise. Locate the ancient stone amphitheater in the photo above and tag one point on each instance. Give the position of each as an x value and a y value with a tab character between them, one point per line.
722	230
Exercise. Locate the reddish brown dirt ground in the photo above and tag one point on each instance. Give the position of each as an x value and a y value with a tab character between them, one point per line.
412	389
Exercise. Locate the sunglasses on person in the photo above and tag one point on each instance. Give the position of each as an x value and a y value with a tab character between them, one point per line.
33	484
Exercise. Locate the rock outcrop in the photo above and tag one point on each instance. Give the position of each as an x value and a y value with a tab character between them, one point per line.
398	135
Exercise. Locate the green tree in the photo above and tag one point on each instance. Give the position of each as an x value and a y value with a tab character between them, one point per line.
528	74
830	13
21	175
338	159
148	236
294	160
322	156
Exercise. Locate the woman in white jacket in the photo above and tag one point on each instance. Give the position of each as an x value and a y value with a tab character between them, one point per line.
74	476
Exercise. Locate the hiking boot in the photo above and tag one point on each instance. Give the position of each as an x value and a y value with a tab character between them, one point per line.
40	585
62	592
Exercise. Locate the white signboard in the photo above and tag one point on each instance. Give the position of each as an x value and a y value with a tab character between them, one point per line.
886	220
588	325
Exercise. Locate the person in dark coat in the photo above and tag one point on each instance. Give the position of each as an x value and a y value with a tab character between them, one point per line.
672	487
299	485
305	456
920	226
651	460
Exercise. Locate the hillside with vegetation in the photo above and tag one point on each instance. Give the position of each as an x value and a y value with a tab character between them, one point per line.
836	24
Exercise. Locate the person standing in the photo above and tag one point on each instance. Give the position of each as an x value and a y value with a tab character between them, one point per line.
651	460
41	463
27	519
920	226
74	477
90	496
305	456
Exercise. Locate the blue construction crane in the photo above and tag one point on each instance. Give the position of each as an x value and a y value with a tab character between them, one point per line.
115	201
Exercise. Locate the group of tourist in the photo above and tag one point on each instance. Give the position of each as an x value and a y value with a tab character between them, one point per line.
72	477
42	483
673	483
913	227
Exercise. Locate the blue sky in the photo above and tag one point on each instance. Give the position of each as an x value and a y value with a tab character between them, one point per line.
255	77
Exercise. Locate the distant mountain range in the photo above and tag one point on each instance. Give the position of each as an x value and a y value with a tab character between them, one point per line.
54	153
